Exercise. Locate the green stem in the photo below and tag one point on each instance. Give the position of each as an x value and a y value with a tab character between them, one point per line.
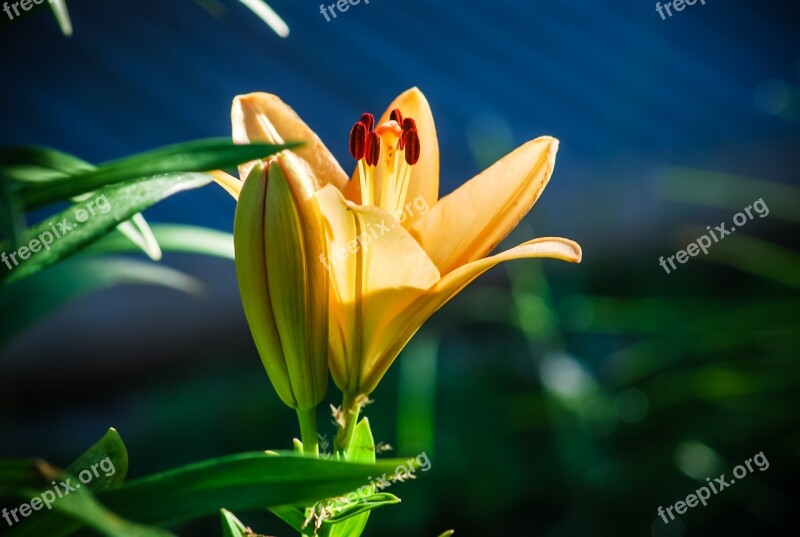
308	430
350	411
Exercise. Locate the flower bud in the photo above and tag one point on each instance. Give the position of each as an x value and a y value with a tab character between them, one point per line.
278	238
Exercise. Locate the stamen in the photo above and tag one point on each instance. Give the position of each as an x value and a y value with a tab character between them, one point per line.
358	147
411	144
358	140
409	124
401	151
368	120
397	116
371	156
373	151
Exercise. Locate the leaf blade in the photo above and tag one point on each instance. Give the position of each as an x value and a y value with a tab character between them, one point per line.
124	200
195	156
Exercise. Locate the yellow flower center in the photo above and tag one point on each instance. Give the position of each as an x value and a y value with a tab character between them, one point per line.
385	156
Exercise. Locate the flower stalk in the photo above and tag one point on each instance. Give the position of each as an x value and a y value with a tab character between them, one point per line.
348	416
308	431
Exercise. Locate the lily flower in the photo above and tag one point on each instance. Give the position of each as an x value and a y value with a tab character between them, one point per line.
396	252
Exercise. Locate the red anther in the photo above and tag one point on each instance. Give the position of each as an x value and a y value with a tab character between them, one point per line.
396	116
373	151
409	125
358	140
411	145
368	120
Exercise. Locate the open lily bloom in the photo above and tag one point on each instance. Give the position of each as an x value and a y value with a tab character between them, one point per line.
396	252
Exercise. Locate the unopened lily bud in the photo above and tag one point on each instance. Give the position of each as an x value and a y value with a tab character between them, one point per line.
278	239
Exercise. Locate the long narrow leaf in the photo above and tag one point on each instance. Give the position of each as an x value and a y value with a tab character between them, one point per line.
62	16
194	156
232	526
174	238
110	455
268	15
74	505
67	234
32	164
40	165
141	235
238	482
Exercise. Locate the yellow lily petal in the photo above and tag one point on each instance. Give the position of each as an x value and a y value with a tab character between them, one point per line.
405	325
263	117
425	173
232	185
249	245
376	269
471	221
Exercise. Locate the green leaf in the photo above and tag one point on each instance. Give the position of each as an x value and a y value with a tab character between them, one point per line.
75	506
110	455
362	447
194	156
40	164
67	514
268	15
17	474
141	235
62	16
174	238
245	481
239	482
231	527
123	201
351	518
32	298
346	514
294	517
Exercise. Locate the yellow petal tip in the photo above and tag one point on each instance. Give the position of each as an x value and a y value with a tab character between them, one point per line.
231	185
